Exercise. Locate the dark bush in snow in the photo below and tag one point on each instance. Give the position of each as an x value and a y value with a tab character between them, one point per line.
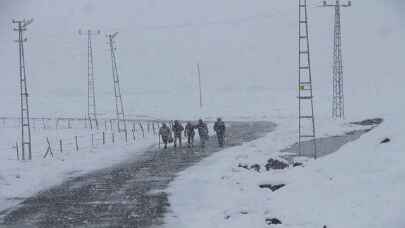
297	164
273	221
275	164
386	140
369	122
245	166
272	187
255	167
244	212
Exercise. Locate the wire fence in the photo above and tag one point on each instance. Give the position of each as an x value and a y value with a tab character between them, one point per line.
46	123
56	137
92	140
64	139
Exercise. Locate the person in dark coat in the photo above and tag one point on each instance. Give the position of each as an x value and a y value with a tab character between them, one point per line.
189	133
202	132
177	130
219	128
165	133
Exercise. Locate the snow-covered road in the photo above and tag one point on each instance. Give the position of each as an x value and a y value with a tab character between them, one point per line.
127	195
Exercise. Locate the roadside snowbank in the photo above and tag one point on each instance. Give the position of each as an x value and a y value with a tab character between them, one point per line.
229	196
360	186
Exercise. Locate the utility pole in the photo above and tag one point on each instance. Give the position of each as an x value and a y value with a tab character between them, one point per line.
119	105
306	119
91	92
338	106
21	27
199	84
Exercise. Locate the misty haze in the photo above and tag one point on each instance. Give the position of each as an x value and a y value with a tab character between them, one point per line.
202	114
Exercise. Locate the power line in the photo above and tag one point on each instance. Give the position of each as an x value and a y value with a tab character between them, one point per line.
227	21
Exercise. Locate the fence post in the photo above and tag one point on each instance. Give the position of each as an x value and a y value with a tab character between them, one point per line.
92	139
153	128
133	134
77	145
18	154
48	150
126	136
103	137
85	122
60	146
112	137
111	124
43	123
69	125
143	131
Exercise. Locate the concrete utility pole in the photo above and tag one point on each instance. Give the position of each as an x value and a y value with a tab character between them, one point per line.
338	110
306	119
119	105
199	84
21	27
91	91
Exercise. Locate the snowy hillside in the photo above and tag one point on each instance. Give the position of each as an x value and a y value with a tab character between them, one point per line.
358	186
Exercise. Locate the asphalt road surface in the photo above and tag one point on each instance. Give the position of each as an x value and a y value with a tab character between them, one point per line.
130	194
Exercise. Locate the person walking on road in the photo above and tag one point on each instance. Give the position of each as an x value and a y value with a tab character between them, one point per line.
189	133
202	132
165	133
177	130
219	128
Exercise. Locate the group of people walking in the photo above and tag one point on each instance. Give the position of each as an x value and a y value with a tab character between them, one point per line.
165	132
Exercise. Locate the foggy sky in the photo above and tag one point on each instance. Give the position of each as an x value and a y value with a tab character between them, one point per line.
241	46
